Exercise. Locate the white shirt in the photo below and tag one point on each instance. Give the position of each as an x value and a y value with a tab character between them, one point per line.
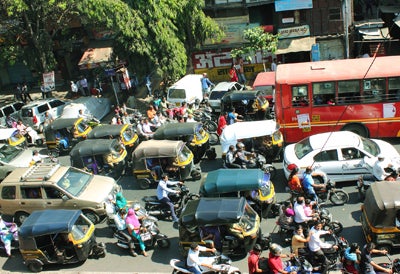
299	214
38	158
163	190
315	242
193	257
379	170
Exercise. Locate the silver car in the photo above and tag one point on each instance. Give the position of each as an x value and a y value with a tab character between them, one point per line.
215	95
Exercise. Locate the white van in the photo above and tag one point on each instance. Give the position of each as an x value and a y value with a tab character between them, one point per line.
187	89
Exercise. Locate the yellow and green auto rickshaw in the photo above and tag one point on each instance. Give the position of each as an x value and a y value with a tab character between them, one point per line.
253	184
125	133
63	133
12	137
153	157
193	134
68	238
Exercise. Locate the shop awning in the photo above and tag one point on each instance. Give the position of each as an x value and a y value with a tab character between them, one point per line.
95	57
375	34
295	45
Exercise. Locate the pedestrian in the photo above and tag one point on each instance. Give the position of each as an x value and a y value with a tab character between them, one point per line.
240	70
193	261
25	93
232	117
74	90
162	194
273	65
43	90
221	123
83	83
18	94
148	86
233	74
206	84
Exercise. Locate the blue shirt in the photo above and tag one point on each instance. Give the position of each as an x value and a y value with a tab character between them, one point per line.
230	119
308	182
205	83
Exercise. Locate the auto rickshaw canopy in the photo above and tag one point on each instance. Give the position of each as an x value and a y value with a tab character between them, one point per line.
213	211
11	136
244	130
233	180
102	131
60	123
94	147
157	149
48	221
173	130
381	203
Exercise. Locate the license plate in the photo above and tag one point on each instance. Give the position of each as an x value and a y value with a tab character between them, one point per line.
178	104
145	236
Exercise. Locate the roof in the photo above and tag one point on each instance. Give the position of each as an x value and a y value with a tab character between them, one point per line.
157	149
231	180
208	211
95	57
60	123
172	130
264	79
386	194
332	70
334	139
243	130
223	86
6	133
240	95
49	221
106	130
93	147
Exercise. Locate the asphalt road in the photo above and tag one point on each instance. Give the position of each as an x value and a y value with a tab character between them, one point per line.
118	260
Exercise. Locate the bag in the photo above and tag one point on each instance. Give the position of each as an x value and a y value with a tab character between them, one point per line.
145	236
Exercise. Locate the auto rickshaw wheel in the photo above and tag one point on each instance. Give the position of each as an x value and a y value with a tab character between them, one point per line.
93	217
213	139
35	266
144	183
163	243
20	217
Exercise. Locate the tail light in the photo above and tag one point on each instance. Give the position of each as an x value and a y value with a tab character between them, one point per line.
34	119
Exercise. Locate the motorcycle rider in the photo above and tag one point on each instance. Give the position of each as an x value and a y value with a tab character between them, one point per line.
308	184
315	245
193	261
367	266
275	263
255	262
7	234
230	158
119	220
134	228
241	155
162	194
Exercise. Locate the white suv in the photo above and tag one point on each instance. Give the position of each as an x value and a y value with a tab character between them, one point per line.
214	97
33	114
9	110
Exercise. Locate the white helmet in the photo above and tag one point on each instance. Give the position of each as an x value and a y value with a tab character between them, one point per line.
275	249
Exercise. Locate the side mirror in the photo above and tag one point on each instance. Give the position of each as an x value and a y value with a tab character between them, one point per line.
65	198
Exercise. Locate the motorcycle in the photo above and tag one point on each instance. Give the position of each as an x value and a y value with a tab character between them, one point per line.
329	192
220	263
392	264
161	210
364	182
11	234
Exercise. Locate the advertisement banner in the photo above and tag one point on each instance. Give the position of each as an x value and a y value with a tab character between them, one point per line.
282	5
49	82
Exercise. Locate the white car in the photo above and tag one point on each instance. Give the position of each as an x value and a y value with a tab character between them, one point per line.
12	157
340	155
97	108
215	95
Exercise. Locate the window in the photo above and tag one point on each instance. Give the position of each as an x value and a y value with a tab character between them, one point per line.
8	110
374	90
8	192
43	108
56	103
326	156
348	92
394	89
351	153
31	192
300	96
324	93
52	192
335	14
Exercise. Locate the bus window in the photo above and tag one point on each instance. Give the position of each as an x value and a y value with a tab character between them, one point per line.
394	89
324	93
374	90
348	92
300	96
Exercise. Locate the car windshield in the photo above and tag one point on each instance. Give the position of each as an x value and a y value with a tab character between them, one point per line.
217	94
370	146
184	154
80	228
128	135
302	148
26	112
9	153
248	219
200	133
82	126
177	93
74	181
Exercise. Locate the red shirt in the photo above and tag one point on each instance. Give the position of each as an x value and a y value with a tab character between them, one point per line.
252	262
233	75
221	124
275	263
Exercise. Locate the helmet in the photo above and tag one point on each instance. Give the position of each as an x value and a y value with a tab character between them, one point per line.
292	166
275	249
257	247
240	145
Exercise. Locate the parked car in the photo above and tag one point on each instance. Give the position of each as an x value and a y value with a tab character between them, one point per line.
92	107
340	155
215	95
51	186
33	114
10	109
12	157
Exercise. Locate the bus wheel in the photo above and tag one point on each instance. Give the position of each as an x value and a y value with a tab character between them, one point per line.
358	129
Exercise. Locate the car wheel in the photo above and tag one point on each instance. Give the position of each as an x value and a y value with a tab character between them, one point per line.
163	243
35	266
93	217
20	217
144	183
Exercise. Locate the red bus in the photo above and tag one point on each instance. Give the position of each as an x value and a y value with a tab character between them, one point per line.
360	95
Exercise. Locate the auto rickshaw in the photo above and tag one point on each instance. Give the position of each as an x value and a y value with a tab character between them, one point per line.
100	156
236	222
68	238
253	184
261	136
125	133
380	215
12	137
153	157
193	134
63	133
246	105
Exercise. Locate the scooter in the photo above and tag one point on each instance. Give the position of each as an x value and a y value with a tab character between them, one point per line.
13	235
220	263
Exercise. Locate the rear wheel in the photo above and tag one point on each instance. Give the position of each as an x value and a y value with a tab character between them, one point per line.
20	217
339	197
35	266
144	183
163	243
358	129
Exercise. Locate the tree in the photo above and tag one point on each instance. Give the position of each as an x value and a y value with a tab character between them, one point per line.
258	40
